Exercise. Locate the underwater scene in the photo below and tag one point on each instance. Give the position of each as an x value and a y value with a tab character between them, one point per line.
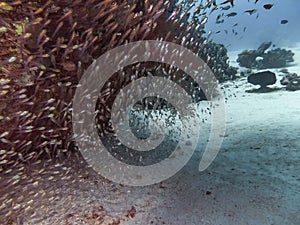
150	112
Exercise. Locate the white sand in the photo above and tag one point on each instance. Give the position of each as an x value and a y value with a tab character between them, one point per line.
254	180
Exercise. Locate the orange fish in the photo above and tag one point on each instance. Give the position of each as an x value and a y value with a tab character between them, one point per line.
268	6
227	1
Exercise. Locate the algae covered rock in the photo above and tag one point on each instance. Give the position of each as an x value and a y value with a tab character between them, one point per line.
291	81
260	59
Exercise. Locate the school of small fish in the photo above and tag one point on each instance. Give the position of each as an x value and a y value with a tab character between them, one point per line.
46	47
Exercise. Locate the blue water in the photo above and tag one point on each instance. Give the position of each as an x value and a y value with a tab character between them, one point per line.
266	27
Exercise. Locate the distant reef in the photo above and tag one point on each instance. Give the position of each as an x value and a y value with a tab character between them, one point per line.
291	81
263	59
215	55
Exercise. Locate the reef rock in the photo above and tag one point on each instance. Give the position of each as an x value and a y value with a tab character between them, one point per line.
291	81
260	59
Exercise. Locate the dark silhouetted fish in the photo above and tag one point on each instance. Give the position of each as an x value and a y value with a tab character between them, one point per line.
284	21
219	21
227	1
225	7
231	14
213	9
209	3
197	10
251	11
268	6
263	47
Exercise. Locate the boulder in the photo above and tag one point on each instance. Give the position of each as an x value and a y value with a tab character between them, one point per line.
262	78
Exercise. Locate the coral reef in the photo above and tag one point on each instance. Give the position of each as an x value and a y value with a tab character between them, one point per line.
217	59
260	59
291	81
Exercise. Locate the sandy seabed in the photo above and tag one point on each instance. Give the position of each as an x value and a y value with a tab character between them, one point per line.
255	179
